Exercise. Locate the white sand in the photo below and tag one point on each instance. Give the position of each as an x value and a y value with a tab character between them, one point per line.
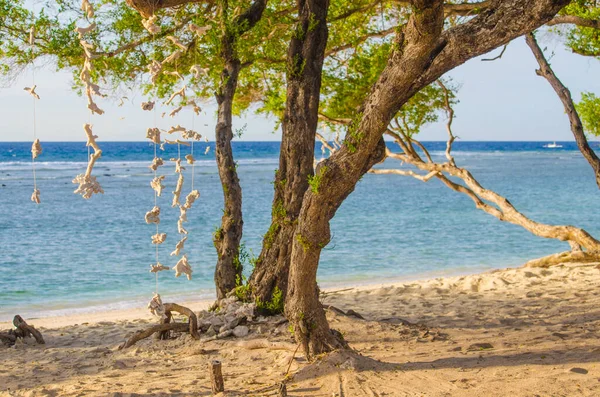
543	326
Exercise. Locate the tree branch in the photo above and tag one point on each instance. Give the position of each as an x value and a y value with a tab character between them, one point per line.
334	120
574	20
146	39
497	56
360	40
564	95
147	8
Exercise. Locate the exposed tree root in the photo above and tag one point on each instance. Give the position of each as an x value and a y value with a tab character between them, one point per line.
23	330
565	257
163	329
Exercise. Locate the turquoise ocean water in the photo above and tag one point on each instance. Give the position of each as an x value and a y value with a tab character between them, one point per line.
71	255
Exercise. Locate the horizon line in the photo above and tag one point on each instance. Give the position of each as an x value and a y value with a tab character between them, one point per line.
279	141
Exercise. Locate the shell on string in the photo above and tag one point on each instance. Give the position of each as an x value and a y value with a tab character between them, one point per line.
179	247
88	185
190	198
177	192
199	30
94	89
31	90
177	42
35	196
150	25
175	111
177	128
180	93
197	109
32	35
147	105
157	185
175	142
183	267
153	216
87	49
183	213
36	149
159	267
173	57
178	167
83	31
174	73
191	134
207	150
92	106
190	159
154	68
87	8
159	238
154	135
180	228
156	306
156	162
199	71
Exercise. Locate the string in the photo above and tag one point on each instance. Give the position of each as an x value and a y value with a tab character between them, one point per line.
34	99
34	128
194	117
155	168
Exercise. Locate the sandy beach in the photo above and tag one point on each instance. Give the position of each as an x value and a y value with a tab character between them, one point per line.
519	332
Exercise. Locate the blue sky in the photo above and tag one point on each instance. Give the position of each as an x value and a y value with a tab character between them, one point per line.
500	100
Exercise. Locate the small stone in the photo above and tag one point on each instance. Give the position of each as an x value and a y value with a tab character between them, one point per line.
240	331
216	321
578	370
232	322
233	307
480	346
119	365
211	331
354	314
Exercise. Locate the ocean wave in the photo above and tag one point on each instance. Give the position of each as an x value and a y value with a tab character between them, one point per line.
103	165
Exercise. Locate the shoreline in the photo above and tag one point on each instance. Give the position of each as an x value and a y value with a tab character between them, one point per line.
518	331
137	309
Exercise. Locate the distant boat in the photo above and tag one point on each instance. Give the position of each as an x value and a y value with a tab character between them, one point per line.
552	145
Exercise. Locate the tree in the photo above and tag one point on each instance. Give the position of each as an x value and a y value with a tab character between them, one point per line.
305	62
423	51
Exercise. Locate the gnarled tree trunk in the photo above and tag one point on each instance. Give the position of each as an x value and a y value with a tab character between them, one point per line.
305	63
422	53
227	238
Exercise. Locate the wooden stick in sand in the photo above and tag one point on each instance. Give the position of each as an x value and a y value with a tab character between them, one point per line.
216	377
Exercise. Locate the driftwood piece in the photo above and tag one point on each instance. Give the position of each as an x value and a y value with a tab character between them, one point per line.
164	335
23	330
27	330
164	327
8	338
143	334
216	377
